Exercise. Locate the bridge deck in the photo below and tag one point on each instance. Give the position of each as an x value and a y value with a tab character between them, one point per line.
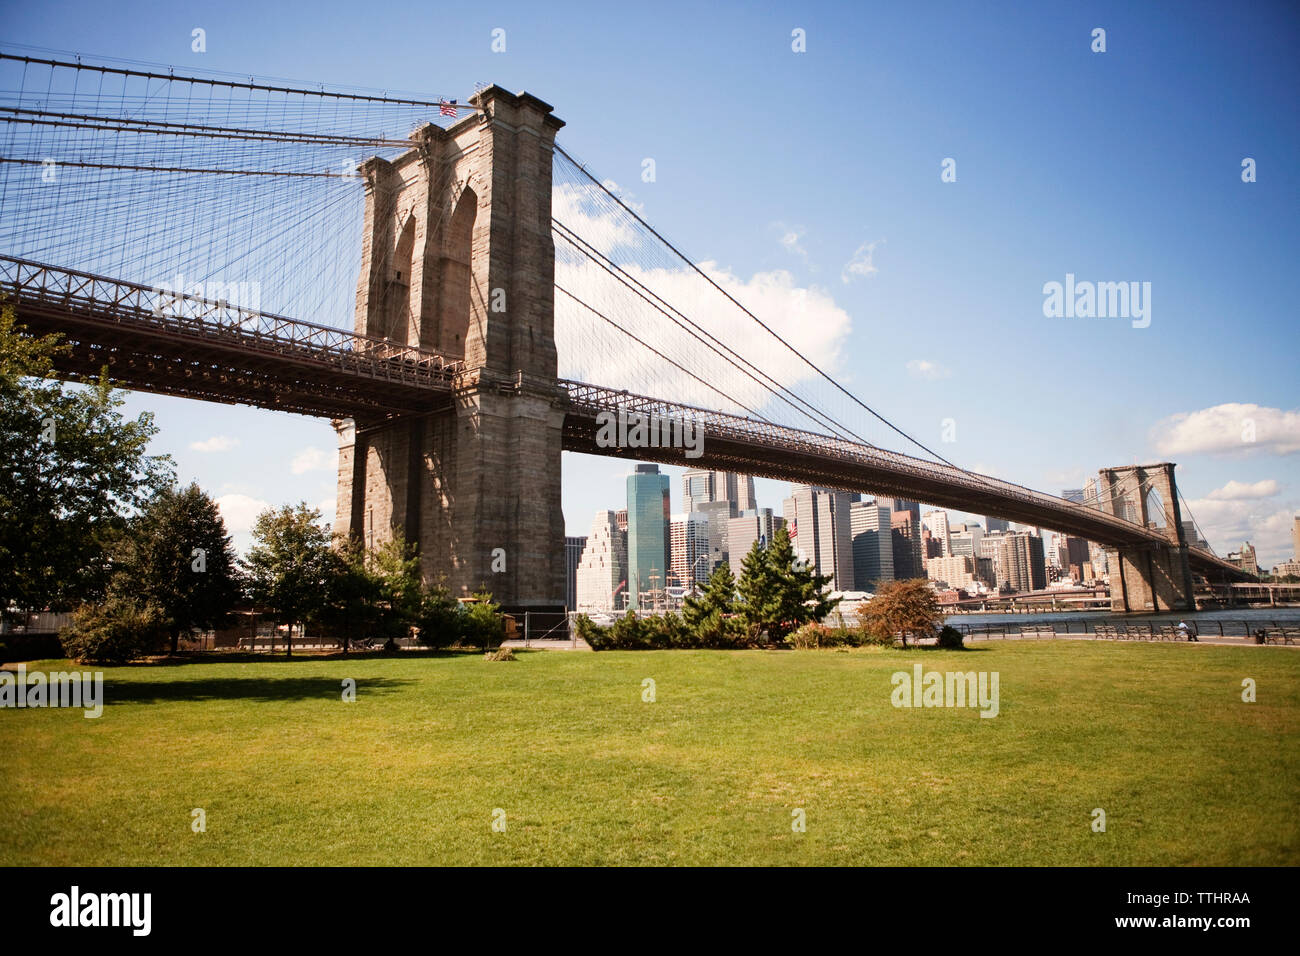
749	446
157	341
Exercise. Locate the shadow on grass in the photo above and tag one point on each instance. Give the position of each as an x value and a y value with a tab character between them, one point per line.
185	658
255	689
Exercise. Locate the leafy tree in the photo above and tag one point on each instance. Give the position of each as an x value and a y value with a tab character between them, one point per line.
115	632
395	568
74	469
778	591
483	622
289	566
441	619
375	591
902	608
177	557
351	592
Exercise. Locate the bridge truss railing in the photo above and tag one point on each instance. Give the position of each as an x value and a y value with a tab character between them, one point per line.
57	291
597	398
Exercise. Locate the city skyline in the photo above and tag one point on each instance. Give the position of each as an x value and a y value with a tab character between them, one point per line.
850	537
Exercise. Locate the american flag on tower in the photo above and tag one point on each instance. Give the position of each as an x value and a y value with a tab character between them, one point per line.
446	107
794	528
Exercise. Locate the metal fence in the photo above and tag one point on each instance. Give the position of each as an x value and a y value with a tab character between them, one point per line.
1273	631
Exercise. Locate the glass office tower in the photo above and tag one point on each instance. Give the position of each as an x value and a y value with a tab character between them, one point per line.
648	516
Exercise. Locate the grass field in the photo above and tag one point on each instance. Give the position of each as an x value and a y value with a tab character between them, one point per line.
709	773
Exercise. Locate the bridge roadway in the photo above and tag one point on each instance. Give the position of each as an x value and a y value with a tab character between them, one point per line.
156	341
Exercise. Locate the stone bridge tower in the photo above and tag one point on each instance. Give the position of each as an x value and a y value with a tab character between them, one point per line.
457	256
1158	577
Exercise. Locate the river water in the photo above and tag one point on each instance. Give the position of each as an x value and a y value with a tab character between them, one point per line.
1207	622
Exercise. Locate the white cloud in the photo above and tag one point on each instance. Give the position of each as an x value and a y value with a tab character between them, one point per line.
861	264
625	196
239	512
215	443
1233	428
790	238
1228	523
592	350
1240	491
590	214
311	459
924	368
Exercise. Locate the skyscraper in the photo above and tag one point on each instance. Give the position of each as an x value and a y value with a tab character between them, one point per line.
1021	563
956	571
1073	494
689	549
573	548
1075	557
701	487
930	546
873	544
895	505
990	557
648	540
996	524
909	556
719	514
698	487
750	526
966	540
819	521
937	522
601	577
735	487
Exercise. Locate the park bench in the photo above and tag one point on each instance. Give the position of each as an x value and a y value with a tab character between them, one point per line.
1037	631
1106	632
1282	635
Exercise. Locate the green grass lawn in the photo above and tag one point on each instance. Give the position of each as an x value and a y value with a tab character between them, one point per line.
588	773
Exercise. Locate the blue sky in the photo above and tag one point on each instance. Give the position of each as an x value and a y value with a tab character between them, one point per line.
1115	166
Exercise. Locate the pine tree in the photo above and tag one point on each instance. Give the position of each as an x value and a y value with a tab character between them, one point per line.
778	591
719	596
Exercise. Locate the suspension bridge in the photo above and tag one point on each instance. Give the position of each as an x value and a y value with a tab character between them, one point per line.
464	302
